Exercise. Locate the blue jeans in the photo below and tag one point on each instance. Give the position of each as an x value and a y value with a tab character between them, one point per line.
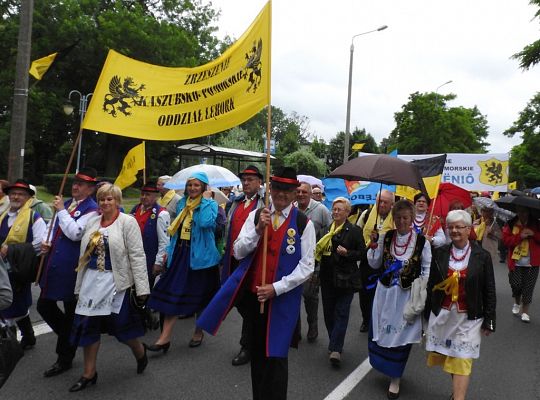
336	306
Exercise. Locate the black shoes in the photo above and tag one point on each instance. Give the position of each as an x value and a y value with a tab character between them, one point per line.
56	369
243	357
27	342
313	332
83	382
364	327
157	347
142	362
392	395
196	342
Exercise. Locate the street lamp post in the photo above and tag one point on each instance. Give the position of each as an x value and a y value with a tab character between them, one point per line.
348	119
437	92
68	110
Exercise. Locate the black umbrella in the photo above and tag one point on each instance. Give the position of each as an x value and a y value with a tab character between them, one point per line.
381	168
512	202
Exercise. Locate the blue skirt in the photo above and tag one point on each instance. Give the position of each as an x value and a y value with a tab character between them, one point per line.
182	290
22	300
124	326
391	361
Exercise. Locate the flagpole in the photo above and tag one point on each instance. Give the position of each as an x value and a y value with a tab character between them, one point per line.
60	191
144	158
268	139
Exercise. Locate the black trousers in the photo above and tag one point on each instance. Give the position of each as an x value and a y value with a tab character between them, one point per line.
269	375
60	322
366	303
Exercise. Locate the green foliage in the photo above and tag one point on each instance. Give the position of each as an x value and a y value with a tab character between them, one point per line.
306	163
425	125
334	150
530	55
168	32
524	160
238	138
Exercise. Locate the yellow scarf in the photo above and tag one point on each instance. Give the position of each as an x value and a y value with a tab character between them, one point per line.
19	230
166	199
353	218
480	230
95	241
522	249
191	204
375	219
324	246
450	286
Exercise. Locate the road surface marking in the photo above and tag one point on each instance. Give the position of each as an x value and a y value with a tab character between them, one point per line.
350	382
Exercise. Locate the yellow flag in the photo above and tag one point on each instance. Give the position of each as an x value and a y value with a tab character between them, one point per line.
145	101
40	66
431	170
133	163
358	146
512	185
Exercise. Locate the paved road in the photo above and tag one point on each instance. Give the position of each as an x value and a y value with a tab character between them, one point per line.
509	367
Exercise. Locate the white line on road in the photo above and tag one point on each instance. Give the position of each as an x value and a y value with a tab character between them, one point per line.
39	329
350	382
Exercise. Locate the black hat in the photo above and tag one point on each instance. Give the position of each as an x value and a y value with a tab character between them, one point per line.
285	179
86	174
251	170
19	184
150	187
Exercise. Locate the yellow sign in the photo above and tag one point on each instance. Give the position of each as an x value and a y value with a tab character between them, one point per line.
133	163
146	101
494	172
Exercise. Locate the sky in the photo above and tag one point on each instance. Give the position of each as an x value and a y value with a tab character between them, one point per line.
427	43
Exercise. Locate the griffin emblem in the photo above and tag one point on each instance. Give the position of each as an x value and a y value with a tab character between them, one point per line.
494	172
253	68
121	93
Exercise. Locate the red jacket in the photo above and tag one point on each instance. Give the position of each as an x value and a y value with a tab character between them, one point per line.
511	241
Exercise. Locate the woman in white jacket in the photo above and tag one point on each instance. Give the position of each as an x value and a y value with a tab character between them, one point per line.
112	262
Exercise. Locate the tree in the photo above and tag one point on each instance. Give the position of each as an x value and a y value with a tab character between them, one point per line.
334	152
170	33
524	160
306	163
530	55
425	125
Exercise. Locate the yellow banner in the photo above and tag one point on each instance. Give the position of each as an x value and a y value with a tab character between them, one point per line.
512	185
145	101
432	187
133	163
40	66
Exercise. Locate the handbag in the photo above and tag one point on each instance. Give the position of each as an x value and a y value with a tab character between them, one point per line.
10	352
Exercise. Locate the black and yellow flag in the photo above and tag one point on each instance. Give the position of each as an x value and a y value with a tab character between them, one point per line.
140	100
431	170
40	66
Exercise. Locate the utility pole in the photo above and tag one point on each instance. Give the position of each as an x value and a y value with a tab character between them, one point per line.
20	97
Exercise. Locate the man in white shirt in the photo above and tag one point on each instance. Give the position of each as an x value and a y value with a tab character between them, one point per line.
277	288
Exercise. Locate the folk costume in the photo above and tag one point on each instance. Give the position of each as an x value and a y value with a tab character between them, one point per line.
461	301
421	225
153	223
289	263
192	275
111	265
21	226
401	260
170	199
239	211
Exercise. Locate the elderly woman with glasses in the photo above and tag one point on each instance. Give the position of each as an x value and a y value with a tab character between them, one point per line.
338	251
403	258
461	302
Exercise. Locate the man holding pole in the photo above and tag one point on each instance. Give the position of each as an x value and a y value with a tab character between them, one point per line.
272	308
58	276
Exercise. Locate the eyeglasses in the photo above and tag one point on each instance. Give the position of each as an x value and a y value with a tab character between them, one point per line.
316	192
457	228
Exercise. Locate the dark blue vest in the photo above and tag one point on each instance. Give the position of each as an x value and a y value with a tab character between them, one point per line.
58	277
149	235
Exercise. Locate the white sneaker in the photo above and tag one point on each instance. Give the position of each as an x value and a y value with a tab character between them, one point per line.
525	318
515	309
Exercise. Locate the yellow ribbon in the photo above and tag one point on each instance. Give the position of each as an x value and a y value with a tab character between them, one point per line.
450	286
191	204
480	230
324	246
19	230
93	242
522	249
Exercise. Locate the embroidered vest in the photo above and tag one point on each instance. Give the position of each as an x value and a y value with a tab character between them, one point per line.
411	267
